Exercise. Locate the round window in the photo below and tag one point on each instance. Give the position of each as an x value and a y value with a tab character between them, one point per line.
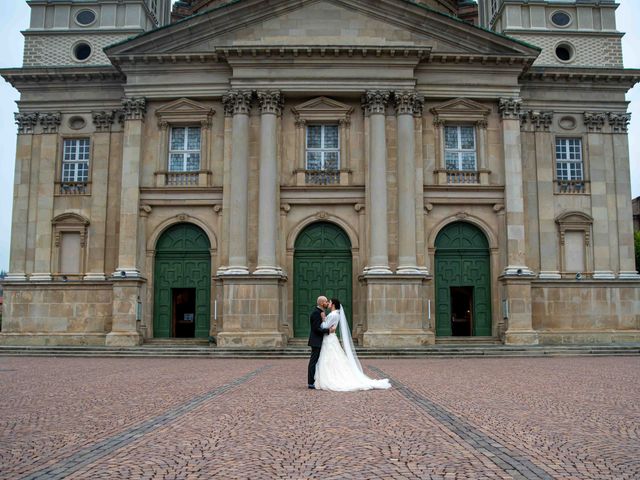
82	51
85	17
564	52
561	19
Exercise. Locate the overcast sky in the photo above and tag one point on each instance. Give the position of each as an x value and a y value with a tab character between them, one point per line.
14	17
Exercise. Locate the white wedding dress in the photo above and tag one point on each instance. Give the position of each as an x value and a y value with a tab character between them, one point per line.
337	369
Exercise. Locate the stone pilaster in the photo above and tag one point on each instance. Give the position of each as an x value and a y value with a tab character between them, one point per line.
375	104
238	103
271	104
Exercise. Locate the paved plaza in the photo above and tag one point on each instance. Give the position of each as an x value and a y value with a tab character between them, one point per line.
502	418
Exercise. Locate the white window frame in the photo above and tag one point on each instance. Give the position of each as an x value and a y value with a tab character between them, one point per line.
322	150
185	152
459	151
569	174
75	158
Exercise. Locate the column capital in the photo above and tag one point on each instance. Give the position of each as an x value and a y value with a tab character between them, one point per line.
619	121
50	122
271	102
594	121
103	120
26	122
509	108
375	101
237	102
541	120
134	108
408	102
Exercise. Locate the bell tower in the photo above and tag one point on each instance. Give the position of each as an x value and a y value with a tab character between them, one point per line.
573	33
66	33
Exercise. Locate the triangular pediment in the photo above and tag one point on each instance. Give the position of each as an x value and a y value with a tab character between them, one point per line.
325	23
460	109
322	108
184	109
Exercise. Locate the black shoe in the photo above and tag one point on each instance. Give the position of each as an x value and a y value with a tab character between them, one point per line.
311	387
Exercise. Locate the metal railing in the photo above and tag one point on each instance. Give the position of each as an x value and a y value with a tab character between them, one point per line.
322	177
572	186
463	176
182	178
74	188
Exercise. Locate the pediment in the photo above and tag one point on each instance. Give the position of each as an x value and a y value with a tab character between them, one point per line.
70	218
322	108
460	109
574	218
326	23
184	110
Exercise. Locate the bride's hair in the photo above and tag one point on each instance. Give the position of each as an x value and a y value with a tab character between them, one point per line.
336	303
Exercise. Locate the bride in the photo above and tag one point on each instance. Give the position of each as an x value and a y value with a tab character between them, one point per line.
339	369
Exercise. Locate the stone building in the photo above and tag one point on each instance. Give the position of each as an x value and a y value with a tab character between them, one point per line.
210	177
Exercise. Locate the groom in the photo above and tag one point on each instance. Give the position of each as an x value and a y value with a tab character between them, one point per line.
316	335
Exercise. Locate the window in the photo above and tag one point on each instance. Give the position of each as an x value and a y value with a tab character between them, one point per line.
184	149
323	147
460	148
569	165
82	51
75	160
560	18
85	17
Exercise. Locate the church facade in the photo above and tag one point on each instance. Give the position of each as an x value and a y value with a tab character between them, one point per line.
209	176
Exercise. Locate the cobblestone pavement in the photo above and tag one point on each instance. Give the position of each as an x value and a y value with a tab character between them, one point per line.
509	418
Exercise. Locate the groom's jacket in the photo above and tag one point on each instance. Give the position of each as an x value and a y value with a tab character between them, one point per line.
317	333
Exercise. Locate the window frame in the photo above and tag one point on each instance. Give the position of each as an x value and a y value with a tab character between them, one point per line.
571	184
459	150
76	161
323	149
184	152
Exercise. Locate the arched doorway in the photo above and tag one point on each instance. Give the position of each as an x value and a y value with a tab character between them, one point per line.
321	266
462	281
182	283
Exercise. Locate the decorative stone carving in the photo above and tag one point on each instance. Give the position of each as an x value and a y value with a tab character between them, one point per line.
408	102
541	120
285	208
594	121
103	120
322	215
237	102
461	215
271	102
50	122
375	101
427	208
134	108
26	122
509	108
619	121
498	207
145	210
359	207
217	208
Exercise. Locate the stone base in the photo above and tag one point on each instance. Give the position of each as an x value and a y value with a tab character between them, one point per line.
53	339
398	339
124	339
251	340
529	337
588	337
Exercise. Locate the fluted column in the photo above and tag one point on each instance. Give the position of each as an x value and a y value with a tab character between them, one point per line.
270	109
407	104
375	104
238	103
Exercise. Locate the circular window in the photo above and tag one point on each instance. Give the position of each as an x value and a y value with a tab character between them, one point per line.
564	52
560	18
82	51
85	17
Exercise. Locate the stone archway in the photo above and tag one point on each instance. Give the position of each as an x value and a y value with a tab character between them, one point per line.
182	283
322	265
462	281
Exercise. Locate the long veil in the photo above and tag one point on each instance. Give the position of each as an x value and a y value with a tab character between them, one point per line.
347	342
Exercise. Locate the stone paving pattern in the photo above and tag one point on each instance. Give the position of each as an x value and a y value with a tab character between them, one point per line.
503	418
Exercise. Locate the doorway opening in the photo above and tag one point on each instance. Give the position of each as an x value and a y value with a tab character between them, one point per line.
184	312
461	311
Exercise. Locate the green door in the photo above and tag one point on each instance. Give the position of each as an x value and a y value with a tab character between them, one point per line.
462	265
182	265
321	266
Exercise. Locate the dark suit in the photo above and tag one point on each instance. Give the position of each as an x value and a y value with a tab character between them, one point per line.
316	335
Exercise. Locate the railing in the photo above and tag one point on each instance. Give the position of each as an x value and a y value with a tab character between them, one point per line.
322	177
572	186
463	176
73	188
182	178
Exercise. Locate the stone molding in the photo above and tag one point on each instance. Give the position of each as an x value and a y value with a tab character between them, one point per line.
619	122
375	101
50	122
26	122
237	102
509	108
594	121
134	108
103	120
408	103
541	120
271	102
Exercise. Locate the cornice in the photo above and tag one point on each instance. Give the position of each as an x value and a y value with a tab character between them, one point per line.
624	76
29	75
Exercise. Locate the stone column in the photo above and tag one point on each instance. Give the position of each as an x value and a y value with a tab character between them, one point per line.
270	108
50	123
20	216
375	104
239	103
516	276
407	104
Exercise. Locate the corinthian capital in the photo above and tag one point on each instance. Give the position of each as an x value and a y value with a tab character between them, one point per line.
134	108
619	121
50	122
103	120
26	122
375	101
509	108
271	102
541	120
237	102
408	103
